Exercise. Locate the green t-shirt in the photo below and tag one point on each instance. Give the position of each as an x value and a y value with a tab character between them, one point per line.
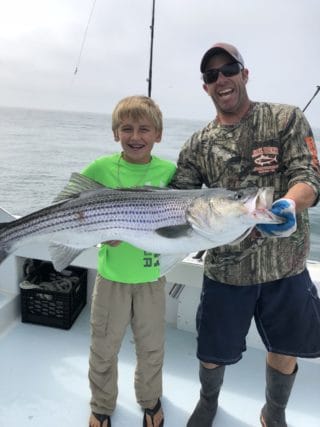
126	263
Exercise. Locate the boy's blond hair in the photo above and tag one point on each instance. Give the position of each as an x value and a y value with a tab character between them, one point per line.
137	107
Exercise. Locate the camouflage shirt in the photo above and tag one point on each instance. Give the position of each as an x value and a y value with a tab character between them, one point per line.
271	146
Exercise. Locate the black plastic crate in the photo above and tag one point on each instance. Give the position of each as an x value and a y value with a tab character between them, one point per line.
50	298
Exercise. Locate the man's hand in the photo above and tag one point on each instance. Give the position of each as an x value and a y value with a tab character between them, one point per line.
284	208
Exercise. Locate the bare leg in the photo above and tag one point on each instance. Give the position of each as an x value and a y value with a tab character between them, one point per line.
282	363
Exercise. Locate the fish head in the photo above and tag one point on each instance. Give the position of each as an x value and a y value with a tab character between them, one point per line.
224	211
259	207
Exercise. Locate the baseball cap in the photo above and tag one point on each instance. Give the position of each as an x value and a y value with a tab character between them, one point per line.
220	48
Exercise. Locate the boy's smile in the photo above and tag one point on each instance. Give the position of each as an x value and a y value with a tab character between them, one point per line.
137	138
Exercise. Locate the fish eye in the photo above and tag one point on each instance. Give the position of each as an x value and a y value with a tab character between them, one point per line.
238	195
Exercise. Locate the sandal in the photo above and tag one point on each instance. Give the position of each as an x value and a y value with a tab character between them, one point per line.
102	418
152	412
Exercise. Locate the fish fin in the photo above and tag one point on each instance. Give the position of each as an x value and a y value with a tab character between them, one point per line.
62	255
6	216
144	188
77	184
4	252
5	249
168	261
174	231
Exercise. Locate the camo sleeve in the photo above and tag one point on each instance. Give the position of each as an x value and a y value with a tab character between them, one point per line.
300	153
188	173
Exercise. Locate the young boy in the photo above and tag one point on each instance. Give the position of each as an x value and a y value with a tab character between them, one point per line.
128	288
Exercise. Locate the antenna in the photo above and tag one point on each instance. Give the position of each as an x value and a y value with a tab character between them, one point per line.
149	79
315	94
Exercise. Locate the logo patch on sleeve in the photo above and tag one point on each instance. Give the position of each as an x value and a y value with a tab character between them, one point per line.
313	150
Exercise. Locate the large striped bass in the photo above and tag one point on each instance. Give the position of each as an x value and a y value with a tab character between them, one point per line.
172	223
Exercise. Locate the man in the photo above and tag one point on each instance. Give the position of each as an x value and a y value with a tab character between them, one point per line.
265	277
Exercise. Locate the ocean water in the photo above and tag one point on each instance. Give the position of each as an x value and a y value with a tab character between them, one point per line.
40	149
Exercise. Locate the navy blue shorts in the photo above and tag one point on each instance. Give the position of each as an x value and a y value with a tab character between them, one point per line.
286	312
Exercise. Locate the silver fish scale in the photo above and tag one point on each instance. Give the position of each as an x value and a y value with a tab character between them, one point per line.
137	214
107	209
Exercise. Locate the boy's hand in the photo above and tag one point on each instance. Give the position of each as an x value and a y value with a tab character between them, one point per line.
284	208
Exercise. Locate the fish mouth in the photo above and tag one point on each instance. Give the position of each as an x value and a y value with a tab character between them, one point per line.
259	199
264	198
262	207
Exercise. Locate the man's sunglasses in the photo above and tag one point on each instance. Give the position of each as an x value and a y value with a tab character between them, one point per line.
228	70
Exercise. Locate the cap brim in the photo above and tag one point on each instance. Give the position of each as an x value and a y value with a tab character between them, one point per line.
214	51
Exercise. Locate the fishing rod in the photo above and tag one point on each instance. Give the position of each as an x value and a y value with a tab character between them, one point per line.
84	38
149	79
315	94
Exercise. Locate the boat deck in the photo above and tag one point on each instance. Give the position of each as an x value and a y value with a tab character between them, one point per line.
44	381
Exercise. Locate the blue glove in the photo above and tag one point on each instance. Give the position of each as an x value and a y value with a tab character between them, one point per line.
284	208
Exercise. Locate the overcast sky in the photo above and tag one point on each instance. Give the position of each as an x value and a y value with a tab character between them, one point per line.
40	44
